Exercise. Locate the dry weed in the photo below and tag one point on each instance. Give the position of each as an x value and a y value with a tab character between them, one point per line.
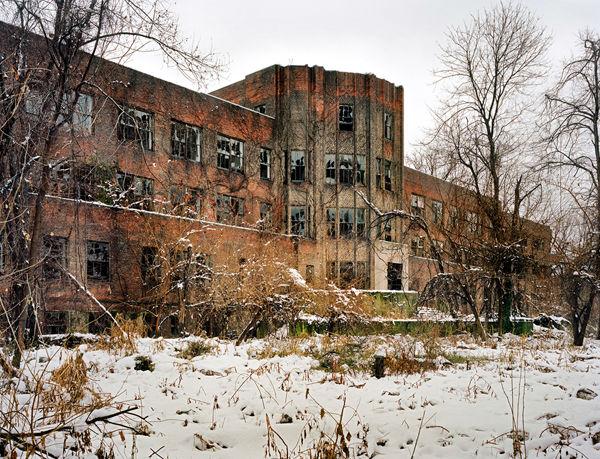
122	339
72	377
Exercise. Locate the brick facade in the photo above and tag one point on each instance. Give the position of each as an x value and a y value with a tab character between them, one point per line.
316	145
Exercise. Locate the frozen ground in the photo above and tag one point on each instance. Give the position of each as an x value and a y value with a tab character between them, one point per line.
476	402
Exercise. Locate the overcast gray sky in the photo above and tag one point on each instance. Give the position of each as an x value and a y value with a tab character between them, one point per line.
396	40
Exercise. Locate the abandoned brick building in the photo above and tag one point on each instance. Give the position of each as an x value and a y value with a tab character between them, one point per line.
295	155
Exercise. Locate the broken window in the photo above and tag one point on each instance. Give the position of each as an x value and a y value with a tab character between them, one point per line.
55	256
60	180
262	108
454	217
266	217
417	246
134	191
346	117
186	201
437	212
474	222
350	222
346	222
185	141
298	166
378	172
360	223
92	183
82	115
150	267
298	220
417	205
97	260
350	169
330	168
180	264
388	125
265	164
331	222
387	165
346	274
230	154
136	125
360	167
346	169
56	322
230	209
81	111
385	230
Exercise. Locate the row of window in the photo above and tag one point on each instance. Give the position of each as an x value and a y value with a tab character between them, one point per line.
346	121
138	125
346	222
350	170
55	251
186	143
98	263
473	219
185	266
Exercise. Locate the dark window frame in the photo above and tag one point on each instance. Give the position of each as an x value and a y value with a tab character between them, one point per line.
298	166
299	226
150	267
346	117
229	209
387	169
437	212
130	186
266	214
230	154
55	259
388	126
129	128
186	141
417	205
266	160
98	269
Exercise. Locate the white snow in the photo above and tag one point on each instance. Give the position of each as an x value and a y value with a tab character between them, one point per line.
218	405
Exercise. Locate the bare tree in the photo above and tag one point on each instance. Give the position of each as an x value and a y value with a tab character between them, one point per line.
487	71
573	108
48	59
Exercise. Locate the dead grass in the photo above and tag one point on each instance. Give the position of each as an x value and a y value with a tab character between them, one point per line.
122	339
72	377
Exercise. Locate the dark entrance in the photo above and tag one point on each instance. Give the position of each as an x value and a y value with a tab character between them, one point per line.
394	276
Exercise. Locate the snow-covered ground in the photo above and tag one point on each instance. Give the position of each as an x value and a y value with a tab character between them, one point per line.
234	402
